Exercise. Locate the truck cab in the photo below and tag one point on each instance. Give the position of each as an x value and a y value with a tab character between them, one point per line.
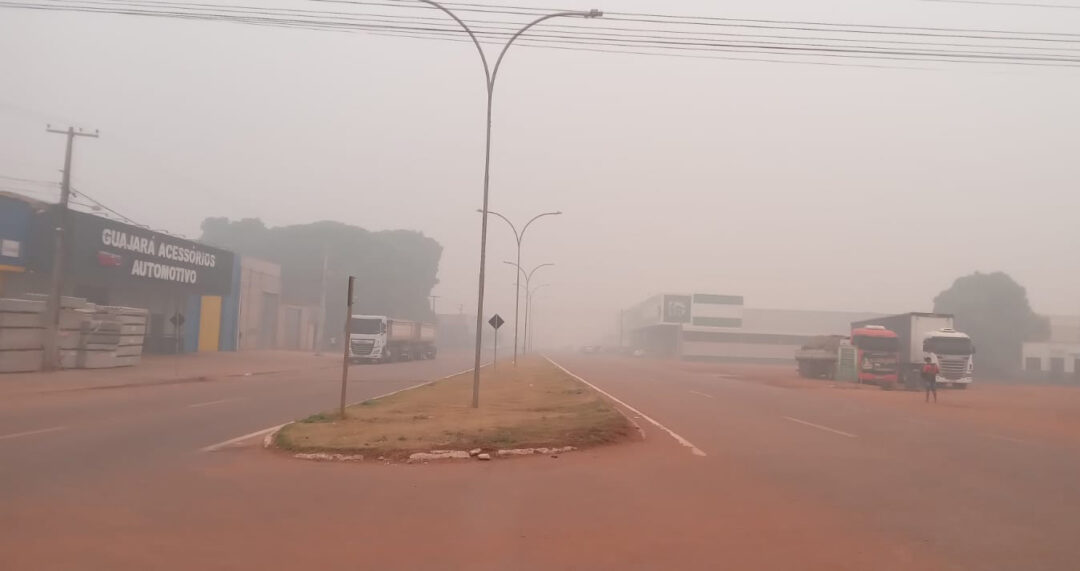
367	339
954	354
877	350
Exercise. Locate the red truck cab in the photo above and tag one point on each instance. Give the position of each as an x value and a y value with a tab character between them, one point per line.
878	355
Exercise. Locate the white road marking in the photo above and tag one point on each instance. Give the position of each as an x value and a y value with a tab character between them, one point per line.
32	432
702	394
212	403
231	441
819	427
694	449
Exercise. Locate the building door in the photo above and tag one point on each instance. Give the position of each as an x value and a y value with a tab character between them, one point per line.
210	323
1057	367
268	322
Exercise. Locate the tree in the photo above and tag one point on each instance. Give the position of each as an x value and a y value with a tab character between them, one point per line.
994	310
395	269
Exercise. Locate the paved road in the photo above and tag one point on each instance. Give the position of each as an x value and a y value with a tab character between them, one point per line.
790	479
68	438
973	494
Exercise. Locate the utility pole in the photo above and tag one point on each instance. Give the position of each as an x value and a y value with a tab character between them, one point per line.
50	357
320	331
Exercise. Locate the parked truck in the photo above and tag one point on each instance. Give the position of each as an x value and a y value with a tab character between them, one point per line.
932	335
382	339
869	356
818	357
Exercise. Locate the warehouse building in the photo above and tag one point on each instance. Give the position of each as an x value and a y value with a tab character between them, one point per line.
1057	358
715	327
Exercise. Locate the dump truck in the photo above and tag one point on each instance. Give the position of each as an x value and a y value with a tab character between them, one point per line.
929	335
818	357
382	339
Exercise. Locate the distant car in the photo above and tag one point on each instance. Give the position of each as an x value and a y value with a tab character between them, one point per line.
639	352
588	349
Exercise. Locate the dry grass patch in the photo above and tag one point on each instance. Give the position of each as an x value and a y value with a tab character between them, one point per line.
533	405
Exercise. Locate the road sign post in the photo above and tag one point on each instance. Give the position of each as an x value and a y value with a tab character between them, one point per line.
496	322
345	358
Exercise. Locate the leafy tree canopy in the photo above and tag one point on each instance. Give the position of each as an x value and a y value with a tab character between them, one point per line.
994	310
395	270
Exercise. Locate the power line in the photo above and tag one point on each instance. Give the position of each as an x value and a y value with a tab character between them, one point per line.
707	20
1021	4
652	41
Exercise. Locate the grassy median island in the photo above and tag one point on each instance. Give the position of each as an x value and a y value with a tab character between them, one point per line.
534	405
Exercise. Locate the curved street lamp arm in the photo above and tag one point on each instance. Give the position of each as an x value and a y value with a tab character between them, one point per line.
488	76
537	217
502	54
512	227
520	269
533	271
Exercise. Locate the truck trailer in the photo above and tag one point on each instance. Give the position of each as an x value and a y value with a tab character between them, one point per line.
923	335
382	339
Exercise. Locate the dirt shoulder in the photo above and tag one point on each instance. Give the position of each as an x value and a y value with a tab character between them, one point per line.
533	405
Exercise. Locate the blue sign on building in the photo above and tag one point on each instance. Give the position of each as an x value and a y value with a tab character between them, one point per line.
16	218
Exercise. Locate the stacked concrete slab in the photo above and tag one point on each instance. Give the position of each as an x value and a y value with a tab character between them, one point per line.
91	336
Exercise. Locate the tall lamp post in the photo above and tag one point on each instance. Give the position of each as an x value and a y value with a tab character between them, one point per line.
518	236
490	74
528	278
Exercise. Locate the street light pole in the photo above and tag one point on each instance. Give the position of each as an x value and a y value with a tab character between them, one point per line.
528	278
518	236
490	74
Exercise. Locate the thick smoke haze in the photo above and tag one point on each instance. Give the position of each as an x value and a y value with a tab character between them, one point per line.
797	186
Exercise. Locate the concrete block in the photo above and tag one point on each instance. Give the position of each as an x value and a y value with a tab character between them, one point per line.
131	319
21	305
21	338
13	319
20	361
65	301
129	351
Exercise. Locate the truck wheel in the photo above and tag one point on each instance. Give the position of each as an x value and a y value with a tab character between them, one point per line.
388	356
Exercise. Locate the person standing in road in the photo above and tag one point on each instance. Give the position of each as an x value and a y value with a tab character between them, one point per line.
929	374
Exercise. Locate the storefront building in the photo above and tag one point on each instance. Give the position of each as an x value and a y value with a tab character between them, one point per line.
188	288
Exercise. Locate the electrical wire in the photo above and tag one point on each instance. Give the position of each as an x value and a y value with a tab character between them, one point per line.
639	40
1009	4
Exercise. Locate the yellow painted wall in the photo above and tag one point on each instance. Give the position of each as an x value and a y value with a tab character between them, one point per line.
210	323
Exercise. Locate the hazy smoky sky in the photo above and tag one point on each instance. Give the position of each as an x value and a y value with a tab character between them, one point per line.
797	186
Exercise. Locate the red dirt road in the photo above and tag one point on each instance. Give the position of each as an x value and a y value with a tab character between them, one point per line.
793	478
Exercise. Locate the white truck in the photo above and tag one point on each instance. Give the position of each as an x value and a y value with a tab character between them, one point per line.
382	339
930	335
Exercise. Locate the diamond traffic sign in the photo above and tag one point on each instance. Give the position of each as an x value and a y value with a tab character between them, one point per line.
496	321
